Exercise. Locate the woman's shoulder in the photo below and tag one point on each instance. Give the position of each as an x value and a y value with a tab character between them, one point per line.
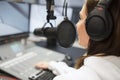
107	67
102	59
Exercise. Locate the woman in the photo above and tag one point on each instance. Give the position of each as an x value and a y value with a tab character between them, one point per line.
102	61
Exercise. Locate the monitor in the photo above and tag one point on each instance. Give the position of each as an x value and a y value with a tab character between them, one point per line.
14	21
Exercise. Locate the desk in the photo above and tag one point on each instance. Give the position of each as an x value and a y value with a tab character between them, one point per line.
67	51
5	76
75	51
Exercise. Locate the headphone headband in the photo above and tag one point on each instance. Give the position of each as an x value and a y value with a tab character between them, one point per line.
104	3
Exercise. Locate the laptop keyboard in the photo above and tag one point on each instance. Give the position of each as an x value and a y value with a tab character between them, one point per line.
42	75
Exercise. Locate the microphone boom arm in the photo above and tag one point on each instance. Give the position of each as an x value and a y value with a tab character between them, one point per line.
50	10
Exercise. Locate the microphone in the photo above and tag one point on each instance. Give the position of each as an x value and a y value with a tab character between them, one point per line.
49	32
64	33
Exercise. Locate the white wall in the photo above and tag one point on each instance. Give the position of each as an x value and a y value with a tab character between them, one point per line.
71	3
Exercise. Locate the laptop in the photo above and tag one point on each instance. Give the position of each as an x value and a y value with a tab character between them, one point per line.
16	58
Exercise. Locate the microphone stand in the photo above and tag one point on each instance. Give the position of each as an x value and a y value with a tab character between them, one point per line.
50	10
51	41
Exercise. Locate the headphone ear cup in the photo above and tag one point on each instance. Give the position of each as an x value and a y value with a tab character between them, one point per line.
99	24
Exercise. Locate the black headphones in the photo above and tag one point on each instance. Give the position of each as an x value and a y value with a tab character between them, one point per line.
99	22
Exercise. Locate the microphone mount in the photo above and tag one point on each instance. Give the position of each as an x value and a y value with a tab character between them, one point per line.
50	10
64	33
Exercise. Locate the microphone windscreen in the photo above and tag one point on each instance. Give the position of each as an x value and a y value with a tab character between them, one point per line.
66	33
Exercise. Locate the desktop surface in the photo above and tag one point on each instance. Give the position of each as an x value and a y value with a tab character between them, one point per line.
20	57
74	51
21	65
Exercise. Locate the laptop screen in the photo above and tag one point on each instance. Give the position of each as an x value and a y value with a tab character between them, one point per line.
14	20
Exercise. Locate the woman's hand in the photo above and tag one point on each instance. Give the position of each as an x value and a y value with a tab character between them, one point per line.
42	65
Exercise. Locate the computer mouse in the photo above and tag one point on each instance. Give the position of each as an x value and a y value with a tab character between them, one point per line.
68	57
68	60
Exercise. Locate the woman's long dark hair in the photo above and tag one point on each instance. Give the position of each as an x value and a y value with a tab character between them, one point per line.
110	46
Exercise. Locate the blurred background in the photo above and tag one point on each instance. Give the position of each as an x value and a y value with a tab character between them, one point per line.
38	11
